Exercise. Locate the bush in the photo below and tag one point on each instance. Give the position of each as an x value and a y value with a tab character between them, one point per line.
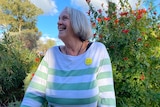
132	38
33	69
14	104
15	63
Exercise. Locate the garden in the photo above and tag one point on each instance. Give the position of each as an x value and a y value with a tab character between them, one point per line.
131	36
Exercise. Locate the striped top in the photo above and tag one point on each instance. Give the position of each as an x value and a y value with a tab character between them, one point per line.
63	80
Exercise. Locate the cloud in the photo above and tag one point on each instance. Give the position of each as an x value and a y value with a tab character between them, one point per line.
97	3
48	6
79	3
45	37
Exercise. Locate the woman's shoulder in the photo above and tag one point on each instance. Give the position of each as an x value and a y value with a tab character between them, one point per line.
52	50
99	45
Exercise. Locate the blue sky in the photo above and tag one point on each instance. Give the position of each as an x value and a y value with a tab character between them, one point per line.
47	23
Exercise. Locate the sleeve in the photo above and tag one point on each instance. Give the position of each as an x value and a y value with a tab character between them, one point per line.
105	82
35	93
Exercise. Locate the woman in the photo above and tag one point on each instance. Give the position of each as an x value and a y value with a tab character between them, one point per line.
78	74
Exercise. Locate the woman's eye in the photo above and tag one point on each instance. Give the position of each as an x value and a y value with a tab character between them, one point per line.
65	17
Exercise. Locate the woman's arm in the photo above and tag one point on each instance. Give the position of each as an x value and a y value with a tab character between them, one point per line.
105	82
35	94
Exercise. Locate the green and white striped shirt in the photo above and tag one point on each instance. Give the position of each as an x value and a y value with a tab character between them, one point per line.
63	80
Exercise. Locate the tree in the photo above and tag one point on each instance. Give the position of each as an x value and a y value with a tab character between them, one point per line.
15	63
43	46
19	17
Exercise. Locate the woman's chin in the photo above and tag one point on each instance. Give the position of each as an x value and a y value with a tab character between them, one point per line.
60	36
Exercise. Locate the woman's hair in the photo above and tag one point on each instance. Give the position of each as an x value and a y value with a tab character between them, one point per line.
80	24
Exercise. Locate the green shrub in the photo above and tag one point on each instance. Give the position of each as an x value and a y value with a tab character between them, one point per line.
15	62
132	38
14	103
33	69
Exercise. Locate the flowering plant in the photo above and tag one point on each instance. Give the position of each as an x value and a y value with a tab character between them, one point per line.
132	38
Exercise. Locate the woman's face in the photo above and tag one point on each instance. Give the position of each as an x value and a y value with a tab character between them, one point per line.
64	25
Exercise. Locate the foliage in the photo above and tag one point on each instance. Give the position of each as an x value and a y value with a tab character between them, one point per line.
19	17
43	46
132	38
17	57
36	62
15	61
28	38
14	103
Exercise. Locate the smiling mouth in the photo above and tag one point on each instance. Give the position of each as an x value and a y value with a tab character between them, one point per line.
61	28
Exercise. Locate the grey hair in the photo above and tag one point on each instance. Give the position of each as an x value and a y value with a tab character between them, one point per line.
80	24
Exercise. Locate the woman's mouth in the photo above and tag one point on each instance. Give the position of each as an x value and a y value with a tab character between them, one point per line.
61	28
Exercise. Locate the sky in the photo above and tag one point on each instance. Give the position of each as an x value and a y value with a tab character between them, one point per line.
47	22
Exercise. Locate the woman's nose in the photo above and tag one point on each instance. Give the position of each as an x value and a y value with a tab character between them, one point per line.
59	22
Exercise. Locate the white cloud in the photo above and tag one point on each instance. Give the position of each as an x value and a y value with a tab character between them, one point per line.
97	3
80	3
48	6
45	37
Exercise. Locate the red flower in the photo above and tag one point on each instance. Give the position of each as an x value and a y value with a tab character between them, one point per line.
149	9
32	76
142	77
112	46
88	1
142	11
89	12
125	31
100	11
37	59
122	24
146	45
158	26
143	33
100	36
125	58
116	21
107	18
154	13
94	35
139	39
139	16
93	24
99	19
124	13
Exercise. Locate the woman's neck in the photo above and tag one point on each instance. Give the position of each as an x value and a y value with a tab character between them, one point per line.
75	48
